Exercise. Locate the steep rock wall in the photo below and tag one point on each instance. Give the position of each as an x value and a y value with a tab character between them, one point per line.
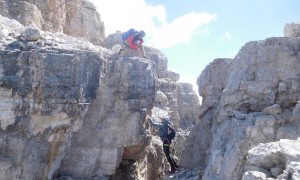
211	83
70	109
78	18
114	127
253	99
44	91
61	102
172	98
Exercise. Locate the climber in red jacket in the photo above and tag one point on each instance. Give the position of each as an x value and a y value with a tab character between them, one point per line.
135	42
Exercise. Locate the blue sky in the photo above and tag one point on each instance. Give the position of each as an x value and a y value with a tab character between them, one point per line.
192	33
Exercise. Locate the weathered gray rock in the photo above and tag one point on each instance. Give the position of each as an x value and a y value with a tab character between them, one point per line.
171	99
83	20
296	112
31	34
73	110
181	104
24	12
153	165
278	160
9	27
254	175
213	79
254	87
44	92
113	39
110	127
253	99
78	18
292	30
211	83
187	174
274	109
188	105
276	171
47	92
4	32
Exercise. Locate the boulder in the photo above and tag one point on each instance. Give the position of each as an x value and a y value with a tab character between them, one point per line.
280	159
254	175
292	30
31	34
274	109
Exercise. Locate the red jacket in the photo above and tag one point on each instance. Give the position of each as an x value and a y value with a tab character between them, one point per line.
132	41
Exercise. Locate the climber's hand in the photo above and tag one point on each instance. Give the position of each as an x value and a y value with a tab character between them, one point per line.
148	117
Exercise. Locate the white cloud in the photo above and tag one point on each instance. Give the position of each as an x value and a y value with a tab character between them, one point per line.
226	36
122	15
180	30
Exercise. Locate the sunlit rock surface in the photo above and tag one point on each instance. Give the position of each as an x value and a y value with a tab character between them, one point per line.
78	18
70	109
251	99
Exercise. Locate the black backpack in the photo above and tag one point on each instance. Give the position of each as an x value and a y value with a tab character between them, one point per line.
171	134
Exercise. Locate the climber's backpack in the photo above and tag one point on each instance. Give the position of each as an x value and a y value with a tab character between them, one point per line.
171	134
126	34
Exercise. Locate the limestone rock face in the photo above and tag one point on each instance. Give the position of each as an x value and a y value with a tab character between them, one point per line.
118	123
211	84
274	109
83	20
78	18
188	106
256	82
280	160
73	110
113	39
23	11
292	30
213	79
45	94
63	101
172	98
253	99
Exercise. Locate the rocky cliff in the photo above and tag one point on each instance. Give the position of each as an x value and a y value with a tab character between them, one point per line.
72	109
78	18
249	100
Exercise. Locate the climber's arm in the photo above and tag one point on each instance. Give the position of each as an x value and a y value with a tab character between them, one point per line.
154	123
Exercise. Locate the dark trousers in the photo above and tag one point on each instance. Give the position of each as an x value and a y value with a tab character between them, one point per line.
166	147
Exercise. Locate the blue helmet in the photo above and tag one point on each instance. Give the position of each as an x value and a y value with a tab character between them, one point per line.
142	33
